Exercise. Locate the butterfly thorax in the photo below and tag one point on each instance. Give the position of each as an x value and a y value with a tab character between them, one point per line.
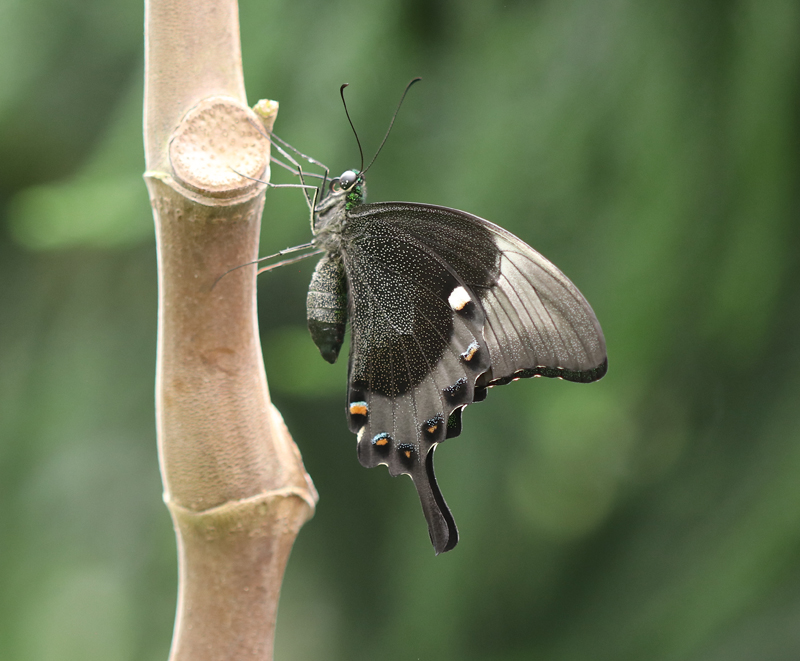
330	216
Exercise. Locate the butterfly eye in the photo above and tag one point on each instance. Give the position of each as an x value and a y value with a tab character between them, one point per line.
347	180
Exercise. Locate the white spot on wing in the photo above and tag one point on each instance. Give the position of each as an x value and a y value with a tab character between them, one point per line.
458	298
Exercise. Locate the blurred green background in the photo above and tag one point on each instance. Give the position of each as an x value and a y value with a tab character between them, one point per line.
649	149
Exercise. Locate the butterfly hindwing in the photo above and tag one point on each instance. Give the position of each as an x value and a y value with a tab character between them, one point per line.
415	357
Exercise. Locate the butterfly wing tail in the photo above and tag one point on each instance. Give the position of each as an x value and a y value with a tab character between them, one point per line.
414	460
441	524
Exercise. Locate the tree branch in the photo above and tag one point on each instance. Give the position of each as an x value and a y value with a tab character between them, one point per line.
233	479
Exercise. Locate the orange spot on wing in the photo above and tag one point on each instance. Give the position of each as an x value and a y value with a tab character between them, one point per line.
358	408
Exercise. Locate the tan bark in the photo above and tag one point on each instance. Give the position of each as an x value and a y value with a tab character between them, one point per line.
233	478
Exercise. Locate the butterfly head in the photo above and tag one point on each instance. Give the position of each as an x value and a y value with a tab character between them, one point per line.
352	186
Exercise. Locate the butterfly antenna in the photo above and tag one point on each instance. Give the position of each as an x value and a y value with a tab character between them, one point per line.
389	130
347	112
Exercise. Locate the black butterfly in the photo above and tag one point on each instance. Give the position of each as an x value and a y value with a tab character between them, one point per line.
442	305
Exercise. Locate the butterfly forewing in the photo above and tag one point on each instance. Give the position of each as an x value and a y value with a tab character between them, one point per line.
545	321
536	319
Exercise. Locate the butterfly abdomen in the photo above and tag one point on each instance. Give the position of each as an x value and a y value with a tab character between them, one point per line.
326	306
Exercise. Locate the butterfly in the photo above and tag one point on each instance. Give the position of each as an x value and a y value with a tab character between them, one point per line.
442	305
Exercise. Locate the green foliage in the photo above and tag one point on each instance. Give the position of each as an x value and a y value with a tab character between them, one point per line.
648	149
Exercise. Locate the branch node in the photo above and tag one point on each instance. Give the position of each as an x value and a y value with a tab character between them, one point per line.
218	151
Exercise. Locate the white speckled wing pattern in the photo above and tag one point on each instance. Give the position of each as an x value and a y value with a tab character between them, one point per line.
443	304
